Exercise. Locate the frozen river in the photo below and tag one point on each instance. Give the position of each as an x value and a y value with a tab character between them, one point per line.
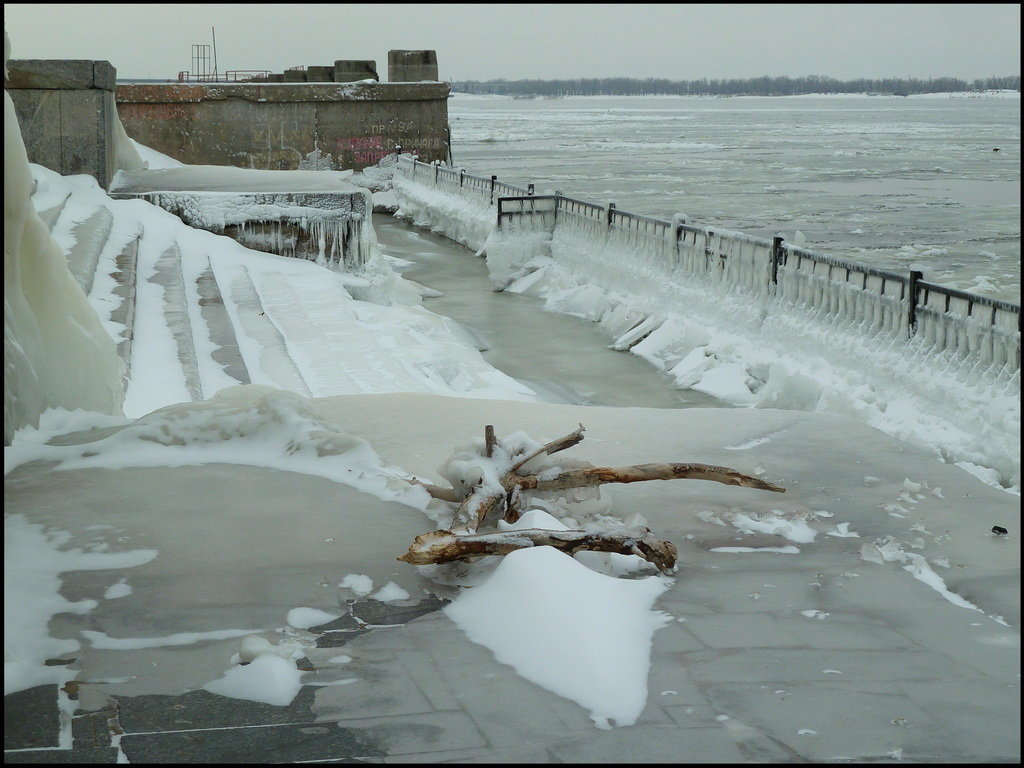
563	359
900	183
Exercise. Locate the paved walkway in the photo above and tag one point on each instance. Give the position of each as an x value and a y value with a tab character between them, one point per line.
820	656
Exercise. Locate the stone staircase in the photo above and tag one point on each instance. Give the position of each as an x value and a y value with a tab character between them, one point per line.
104	261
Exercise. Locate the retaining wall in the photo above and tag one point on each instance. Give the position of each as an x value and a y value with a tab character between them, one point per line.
274	126
68	118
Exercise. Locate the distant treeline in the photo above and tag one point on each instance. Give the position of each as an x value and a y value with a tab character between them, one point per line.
756	86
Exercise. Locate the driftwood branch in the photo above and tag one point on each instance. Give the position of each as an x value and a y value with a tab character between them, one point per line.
580	478
448	546
481	507
568	441
437	492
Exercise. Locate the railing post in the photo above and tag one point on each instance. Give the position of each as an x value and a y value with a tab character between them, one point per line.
493	179
913	290
776	258
675	246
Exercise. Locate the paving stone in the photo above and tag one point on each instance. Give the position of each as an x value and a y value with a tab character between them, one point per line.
202	709
424	673
804	665
345	623
524	754
92	730
983	718
338	638
762	630
821	721
681	700
382	688
377	612
674	636
651	744
419	733
31	718
51	756
286	743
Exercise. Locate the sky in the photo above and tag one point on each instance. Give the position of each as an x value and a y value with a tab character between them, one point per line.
546	41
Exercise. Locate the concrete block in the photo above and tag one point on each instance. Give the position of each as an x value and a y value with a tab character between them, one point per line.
275	78
320	74
69	131
86	146
350	70
295	76
38	114
60	74
411	66
104	75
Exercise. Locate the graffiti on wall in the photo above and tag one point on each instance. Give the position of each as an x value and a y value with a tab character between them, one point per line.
368	150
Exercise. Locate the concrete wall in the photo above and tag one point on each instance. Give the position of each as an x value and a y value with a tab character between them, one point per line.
350	70
66	111
274	126
411	66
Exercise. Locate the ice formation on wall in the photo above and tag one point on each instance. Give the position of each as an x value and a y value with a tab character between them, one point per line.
56	352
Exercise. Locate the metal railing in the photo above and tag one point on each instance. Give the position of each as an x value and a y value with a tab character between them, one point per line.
880	300
230	76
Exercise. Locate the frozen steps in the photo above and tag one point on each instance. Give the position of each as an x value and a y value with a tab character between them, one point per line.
90	239
275	361
104	266
167	274
50	215
124	290
128	274
221	330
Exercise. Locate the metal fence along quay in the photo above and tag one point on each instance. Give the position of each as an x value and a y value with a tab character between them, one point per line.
968	325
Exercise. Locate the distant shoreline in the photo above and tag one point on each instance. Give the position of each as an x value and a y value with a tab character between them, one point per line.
991	94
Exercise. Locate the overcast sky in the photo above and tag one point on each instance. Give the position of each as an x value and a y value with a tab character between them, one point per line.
518	41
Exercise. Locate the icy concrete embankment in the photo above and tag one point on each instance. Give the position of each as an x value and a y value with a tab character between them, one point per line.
746	348
56	352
